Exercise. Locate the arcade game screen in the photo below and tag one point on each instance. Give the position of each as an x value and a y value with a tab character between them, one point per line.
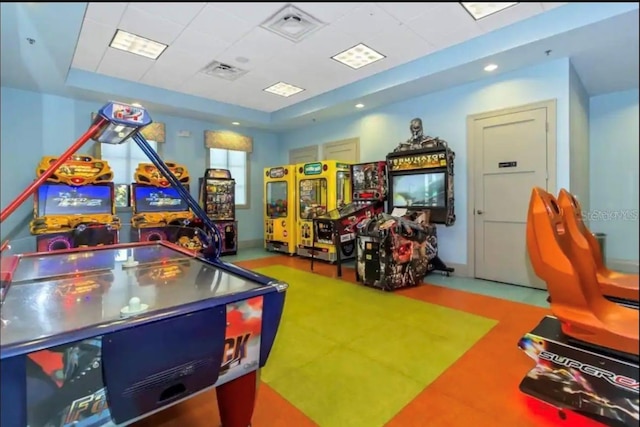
154	199
62	199
313	198
277	199
419	190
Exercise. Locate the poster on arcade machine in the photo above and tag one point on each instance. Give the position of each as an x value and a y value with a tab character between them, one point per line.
65	385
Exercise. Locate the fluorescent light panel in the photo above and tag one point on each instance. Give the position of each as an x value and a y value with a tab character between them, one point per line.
482	10
358	56
283	89
132	43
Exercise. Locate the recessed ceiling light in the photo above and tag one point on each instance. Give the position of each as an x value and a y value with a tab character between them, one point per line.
235	123
358	56
491	67
359	105
128	42
283	89
482	10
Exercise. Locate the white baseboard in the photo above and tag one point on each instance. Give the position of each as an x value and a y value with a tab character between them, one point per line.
623	265
248	244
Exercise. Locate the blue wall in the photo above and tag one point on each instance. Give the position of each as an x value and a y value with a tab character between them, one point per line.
614	172
444	114
35	124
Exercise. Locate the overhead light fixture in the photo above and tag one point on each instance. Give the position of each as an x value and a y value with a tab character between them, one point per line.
359	105
283	89
482	10
358	56
292	23
235	123
132	43
491	67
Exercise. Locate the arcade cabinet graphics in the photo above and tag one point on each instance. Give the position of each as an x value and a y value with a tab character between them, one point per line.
279	219
218	197
91	367
76	205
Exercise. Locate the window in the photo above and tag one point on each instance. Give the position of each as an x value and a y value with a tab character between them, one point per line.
124	159
237	163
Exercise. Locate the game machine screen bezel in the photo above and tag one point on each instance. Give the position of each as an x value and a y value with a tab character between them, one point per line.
280	230
68	231
227	225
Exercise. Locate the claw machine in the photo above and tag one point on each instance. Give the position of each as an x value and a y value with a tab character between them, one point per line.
279	203
322	187
217	197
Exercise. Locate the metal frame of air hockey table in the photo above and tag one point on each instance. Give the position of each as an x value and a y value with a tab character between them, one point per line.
130	349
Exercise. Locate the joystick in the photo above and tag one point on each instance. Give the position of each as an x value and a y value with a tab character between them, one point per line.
134	307
130	262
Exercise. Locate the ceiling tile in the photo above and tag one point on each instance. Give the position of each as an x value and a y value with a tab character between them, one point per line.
258	47
407	11
326	12
324	44
250	12
200	44
509	16
207	86
179	12
182	61
153	27
552	5
365	21
166	77
106	13
444	20
220	24
92	43
399	46
124	65
442	41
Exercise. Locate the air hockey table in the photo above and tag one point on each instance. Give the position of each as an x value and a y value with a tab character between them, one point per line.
110	335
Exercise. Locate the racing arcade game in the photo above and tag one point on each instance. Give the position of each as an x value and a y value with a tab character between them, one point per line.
223	318
159	213
218	195
339	226
397	250
279	220
586	352
76	205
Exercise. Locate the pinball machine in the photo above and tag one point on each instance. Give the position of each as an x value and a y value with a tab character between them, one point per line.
159	213
75	207
108	335
217	196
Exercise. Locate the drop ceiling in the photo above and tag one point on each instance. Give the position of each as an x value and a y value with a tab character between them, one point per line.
243	37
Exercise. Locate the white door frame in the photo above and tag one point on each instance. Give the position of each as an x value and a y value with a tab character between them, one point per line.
309	148
471	169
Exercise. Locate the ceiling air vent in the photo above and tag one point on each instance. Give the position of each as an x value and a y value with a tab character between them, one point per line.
224	71
292	23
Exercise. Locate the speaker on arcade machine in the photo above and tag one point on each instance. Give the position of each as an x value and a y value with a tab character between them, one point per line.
75	207
217	197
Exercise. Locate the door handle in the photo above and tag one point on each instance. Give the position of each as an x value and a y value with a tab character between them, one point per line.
479	212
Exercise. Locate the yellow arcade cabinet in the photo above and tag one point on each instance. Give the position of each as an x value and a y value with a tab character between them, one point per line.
321	187
75	207
280	209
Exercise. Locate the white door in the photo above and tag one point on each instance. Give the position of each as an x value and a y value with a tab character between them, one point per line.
510	153
303	155
347	151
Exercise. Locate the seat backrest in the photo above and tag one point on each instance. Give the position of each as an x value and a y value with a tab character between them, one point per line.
563	262
573	215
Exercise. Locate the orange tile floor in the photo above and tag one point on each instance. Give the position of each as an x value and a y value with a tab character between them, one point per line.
479	389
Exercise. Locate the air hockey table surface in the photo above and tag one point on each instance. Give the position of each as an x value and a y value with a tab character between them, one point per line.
201	325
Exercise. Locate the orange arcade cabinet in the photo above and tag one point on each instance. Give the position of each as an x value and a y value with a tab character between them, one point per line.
159	213
75	206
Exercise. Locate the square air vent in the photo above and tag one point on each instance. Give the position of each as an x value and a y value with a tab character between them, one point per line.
292	23
224	71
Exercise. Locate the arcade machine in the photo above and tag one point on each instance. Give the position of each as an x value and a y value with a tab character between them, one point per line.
421	178
76	205
586	352
339	226
217	196
159	213
63	366
322	187
279	220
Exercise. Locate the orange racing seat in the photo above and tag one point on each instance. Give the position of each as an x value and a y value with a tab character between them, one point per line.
566	265
613	284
